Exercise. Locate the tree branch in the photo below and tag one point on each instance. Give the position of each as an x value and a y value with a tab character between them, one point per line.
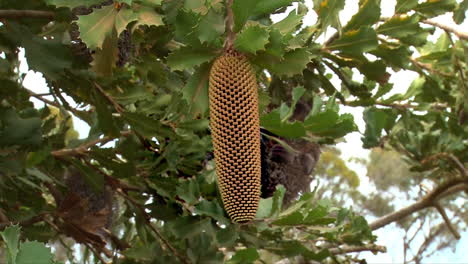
84	148
26	14
354	249
447	220
459	34
427	201
428	67
459	165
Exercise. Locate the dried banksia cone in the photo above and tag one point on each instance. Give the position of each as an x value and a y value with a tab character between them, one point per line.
235	130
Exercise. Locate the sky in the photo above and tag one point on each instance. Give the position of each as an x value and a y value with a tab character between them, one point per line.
389	236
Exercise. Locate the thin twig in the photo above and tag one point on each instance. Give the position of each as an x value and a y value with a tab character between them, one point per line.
447	220
460	167
428	67
354	249
26	14
84	148
427	201
35	219
97	254
151	226
117	107
459	34
52	103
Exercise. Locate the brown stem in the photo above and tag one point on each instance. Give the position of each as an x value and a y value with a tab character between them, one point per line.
52	103
117	107
428	67
427	201
35	219
459	34
147	218
229	43
354	249
460	167
26	14
84	148
447	220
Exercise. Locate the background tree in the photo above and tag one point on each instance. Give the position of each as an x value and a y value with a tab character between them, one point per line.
141	188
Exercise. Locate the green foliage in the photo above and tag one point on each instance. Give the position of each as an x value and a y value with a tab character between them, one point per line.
136	72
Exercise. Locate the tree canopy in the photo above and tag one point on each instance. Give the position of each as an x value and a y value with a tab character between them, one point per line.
141	186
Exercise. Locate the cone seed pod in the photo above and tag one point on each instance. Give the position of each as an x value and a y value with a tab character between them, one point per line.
235	130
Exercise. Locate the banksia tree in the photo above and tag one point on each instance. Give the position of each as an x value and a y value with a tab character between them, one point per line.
236	134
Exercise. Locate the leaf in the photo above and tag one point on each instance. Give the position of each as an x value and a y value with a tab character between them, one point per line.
71	4
252	38
147	16
327	11
196	91
227	237
11	236
272	122
460	12
276	44
15	130
269	6
294	62
188	57
123	18
432	8
34	252
105	58
189	191
295	218
376	120
393	56
330	124
400	26
248	255
290	23
185	24
211	209
145	125
187	226
242	10
95	27
368	14
210	27
405	5
355	42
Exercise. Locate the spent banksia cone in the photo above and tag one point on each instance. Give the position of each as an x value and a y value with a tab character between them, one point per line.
235	129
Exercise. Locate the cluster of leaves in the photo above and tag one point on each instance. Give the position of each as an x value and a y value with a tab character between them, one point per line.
154	109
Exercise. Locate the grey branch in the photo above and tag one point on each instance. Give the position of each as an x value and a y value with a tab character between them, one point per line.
459	34
442	212
455	185
26	14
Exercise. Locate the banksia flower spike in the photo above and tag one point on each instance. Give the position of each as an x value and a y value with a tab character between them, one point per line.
235	127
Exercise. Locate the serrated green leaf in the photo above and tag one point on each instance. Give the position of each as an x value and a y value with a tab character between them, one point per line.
293	62
295	218
187	227
15	130
123	18
189	191
210	27
368	14
400	26
11	236
276	44
272	122
290	23
185	24
355	42
188	57
98	25
432	8
252	38
211	209
327	11
330	124
34	252
248	255
227	236
405	5
269	6
196	91
395	57
105	58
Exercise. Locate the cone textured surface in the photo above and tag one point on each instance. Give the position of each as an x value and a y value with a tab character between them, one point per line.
235	130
